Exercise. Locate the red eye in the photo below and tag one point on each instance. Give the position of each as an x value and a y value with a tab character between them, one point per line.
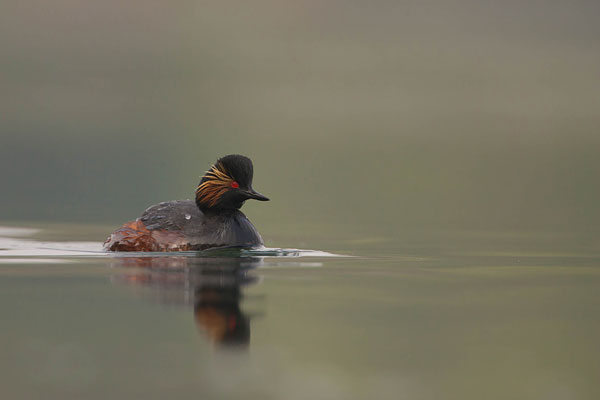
235	185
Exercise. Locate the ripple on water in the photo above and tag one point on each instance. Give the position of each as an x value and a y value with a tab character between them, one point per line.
12	244
8	260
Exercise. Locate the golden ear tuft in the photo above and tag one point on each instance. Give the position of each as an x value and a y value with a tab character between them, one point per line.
214	187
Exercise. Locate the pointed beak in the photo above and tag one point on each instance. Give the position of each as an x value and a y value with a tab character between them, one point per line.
253	194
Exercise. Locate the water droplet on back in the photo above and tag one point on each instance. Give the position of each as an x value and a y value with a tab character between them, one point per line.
188	216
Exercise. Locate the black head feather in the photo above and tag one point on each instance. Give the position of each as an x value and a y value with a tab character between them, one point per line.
239	168
227	185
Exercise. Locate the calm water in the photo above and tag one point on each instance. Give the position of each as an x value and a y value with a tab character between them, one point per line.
428	315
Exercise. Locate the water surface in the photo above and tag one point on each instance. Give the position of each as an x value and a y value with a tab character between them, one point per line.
418	315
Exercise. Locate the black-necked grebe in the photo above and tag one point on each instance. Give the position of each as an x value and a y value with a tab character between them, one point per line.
212	220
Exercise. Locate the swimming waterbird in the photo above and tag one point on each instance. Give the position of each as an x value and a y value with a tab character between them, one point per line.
212	220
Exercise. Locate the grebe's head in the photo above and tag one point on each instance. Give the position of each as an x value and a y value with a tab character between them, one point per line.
227	184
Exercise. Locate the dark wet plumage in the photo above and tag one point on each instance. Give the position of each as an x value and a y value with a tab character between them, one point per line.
212	220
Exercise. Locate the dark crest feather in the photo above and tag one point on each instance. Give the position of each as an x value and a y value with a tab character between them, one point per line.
216	182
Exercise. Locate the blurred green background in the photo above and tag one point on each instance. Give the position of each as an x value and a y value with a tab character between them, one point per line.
379	114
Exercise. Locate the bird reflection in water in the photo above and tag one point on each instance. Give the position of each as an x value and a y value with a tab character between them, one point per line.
213	285
217	312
